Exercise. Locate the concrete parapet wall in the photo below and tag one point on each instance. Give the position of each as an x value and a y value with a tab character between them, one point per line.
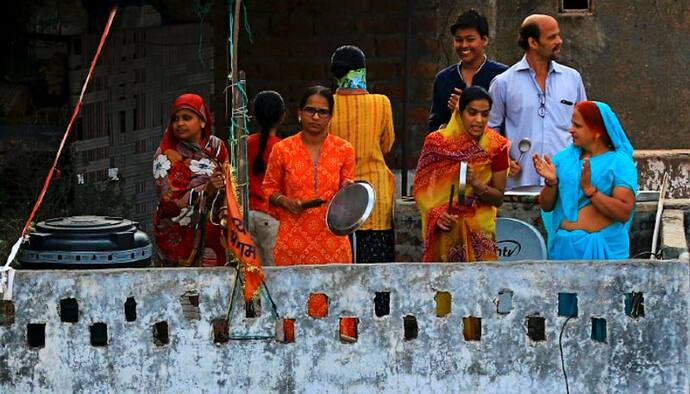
644	354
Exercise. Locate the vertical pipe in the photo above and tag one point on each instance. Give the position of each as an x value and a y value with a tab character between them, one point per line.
239	136
659	212
235	38
405	133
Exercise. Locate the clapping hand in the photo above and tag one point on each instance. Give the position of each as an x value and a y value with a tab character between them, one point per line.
586	178
454	98
545	168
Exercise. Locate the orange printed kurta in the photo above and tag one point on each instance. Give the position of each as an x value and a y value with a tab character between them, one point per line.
366	121
305	238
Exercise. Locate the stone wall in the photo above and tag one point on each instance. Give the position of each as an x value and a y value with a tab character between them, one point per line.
293	42
517	350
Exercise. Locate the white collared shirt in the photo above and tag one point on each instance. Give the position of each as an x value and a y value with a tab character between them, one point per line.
518	106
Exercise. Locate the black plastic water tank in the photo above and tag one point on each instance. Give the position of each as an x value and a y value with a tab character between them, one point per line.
86	242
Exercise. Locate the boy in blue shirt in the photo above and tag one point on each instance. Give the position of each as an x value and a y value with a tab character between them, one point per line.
470	39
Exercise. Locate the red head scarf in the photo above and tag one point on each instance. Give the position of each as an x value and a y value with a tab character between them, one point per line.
195	104
592	117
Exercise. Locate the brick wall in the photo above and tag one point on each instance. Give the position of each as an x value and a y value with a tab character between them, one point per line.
293	42
126	108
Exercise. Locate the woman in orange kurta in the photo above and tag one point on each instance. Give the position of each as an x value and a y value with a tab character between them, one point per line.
307	166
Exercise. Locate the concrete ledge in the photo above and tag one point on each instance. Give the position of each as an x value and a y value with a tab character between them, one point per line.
651	166
647	353
673	240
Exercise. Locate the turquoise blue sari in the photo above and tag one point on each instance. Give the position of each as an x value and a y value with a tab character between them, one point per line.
612	169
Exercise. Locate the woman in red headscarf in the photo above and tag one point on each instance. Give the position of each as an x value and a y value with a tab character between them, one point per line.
187	171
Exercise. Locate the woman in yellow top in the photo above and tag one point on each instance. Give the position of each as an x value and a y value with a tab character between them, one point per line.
366	121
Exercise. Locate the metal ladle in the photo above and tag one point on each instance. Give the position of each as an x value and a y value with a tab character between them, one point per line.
524	146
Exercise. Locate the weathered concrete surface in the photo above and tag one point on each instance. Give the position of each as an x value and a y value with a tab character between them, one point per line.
647	354
408	224
673	240
639	84
653	164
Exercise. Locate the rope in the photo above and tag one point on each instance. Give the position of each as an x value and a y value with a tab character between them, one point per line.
239	114
246	22
6	272
201	10
239	110
77	107
236	337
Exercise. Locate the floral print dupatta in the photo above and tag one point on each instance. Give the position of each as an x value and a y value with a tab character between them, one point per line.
181	170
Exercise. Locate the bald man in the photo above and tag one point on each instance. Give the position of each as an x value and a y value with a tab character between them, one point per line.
534	99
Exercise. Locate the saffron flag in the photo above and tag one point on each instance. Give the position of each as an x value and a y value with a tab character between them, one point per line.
241	243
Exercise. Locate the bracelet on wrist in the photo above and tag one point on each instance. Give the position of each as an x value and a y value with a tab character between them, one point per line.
276	198
551	184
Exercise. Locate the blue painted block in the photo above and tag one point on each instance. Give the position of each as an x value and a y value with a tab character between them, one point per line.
598	329
567	304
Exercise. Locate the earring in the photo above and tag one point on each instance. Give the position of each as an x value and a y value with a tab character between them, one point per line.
299	119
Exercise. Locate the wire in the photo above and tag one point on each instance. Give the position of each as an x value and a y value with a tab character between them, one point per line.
201	10
560	348
238	278
648	253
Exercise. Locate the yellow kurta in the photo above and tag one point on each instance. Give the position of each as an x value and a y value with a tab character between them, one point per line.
366	121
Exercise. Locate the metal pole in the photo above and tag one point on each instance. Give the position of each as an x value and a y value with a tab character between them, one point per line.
408	92
235	38
238	114
659	211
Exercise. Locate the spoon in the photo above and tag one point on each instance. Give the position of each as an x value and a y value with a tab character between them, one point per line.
524	146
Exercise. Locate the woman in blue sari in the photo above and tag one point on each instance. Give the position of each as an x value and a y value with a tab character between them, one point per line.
589	198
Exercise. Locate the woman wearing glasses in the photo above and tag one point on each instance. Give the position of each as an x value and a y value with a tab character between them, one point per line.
366	121
589	197
304	172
